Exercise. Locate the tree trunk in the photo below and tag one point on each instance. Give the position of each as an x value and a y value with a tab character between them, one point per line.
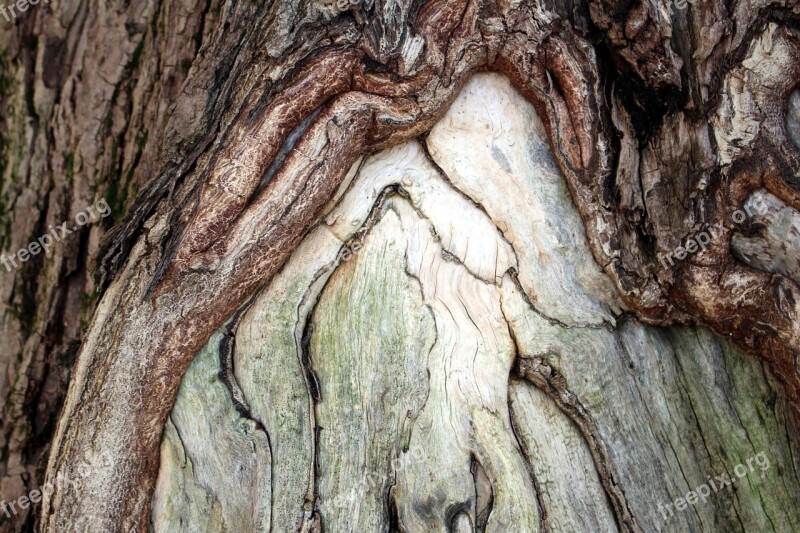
443	266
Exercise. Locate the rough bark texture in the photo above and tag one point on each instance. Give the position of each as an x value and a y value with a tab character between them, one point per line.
451	229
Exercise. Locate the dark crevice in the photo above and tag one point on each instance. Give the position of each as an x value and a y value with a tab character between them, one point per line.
480	477
526	455
306	325
393	514
514	275
537	372
226	350
227	375
305	328
544	525
286	148
452	512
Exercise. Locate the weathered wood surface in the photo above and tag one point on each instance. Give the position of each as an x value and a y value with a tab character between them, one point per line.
381	363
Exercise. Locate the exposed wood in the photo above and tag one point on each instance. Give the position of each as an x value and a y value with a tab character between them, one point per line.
392	342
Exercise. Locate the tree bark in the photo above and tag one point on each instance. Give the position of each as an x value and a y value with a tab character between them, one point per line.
453	265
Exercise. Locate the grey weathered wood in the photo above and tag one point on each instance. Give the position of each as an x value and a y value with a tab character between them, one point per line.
450	395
